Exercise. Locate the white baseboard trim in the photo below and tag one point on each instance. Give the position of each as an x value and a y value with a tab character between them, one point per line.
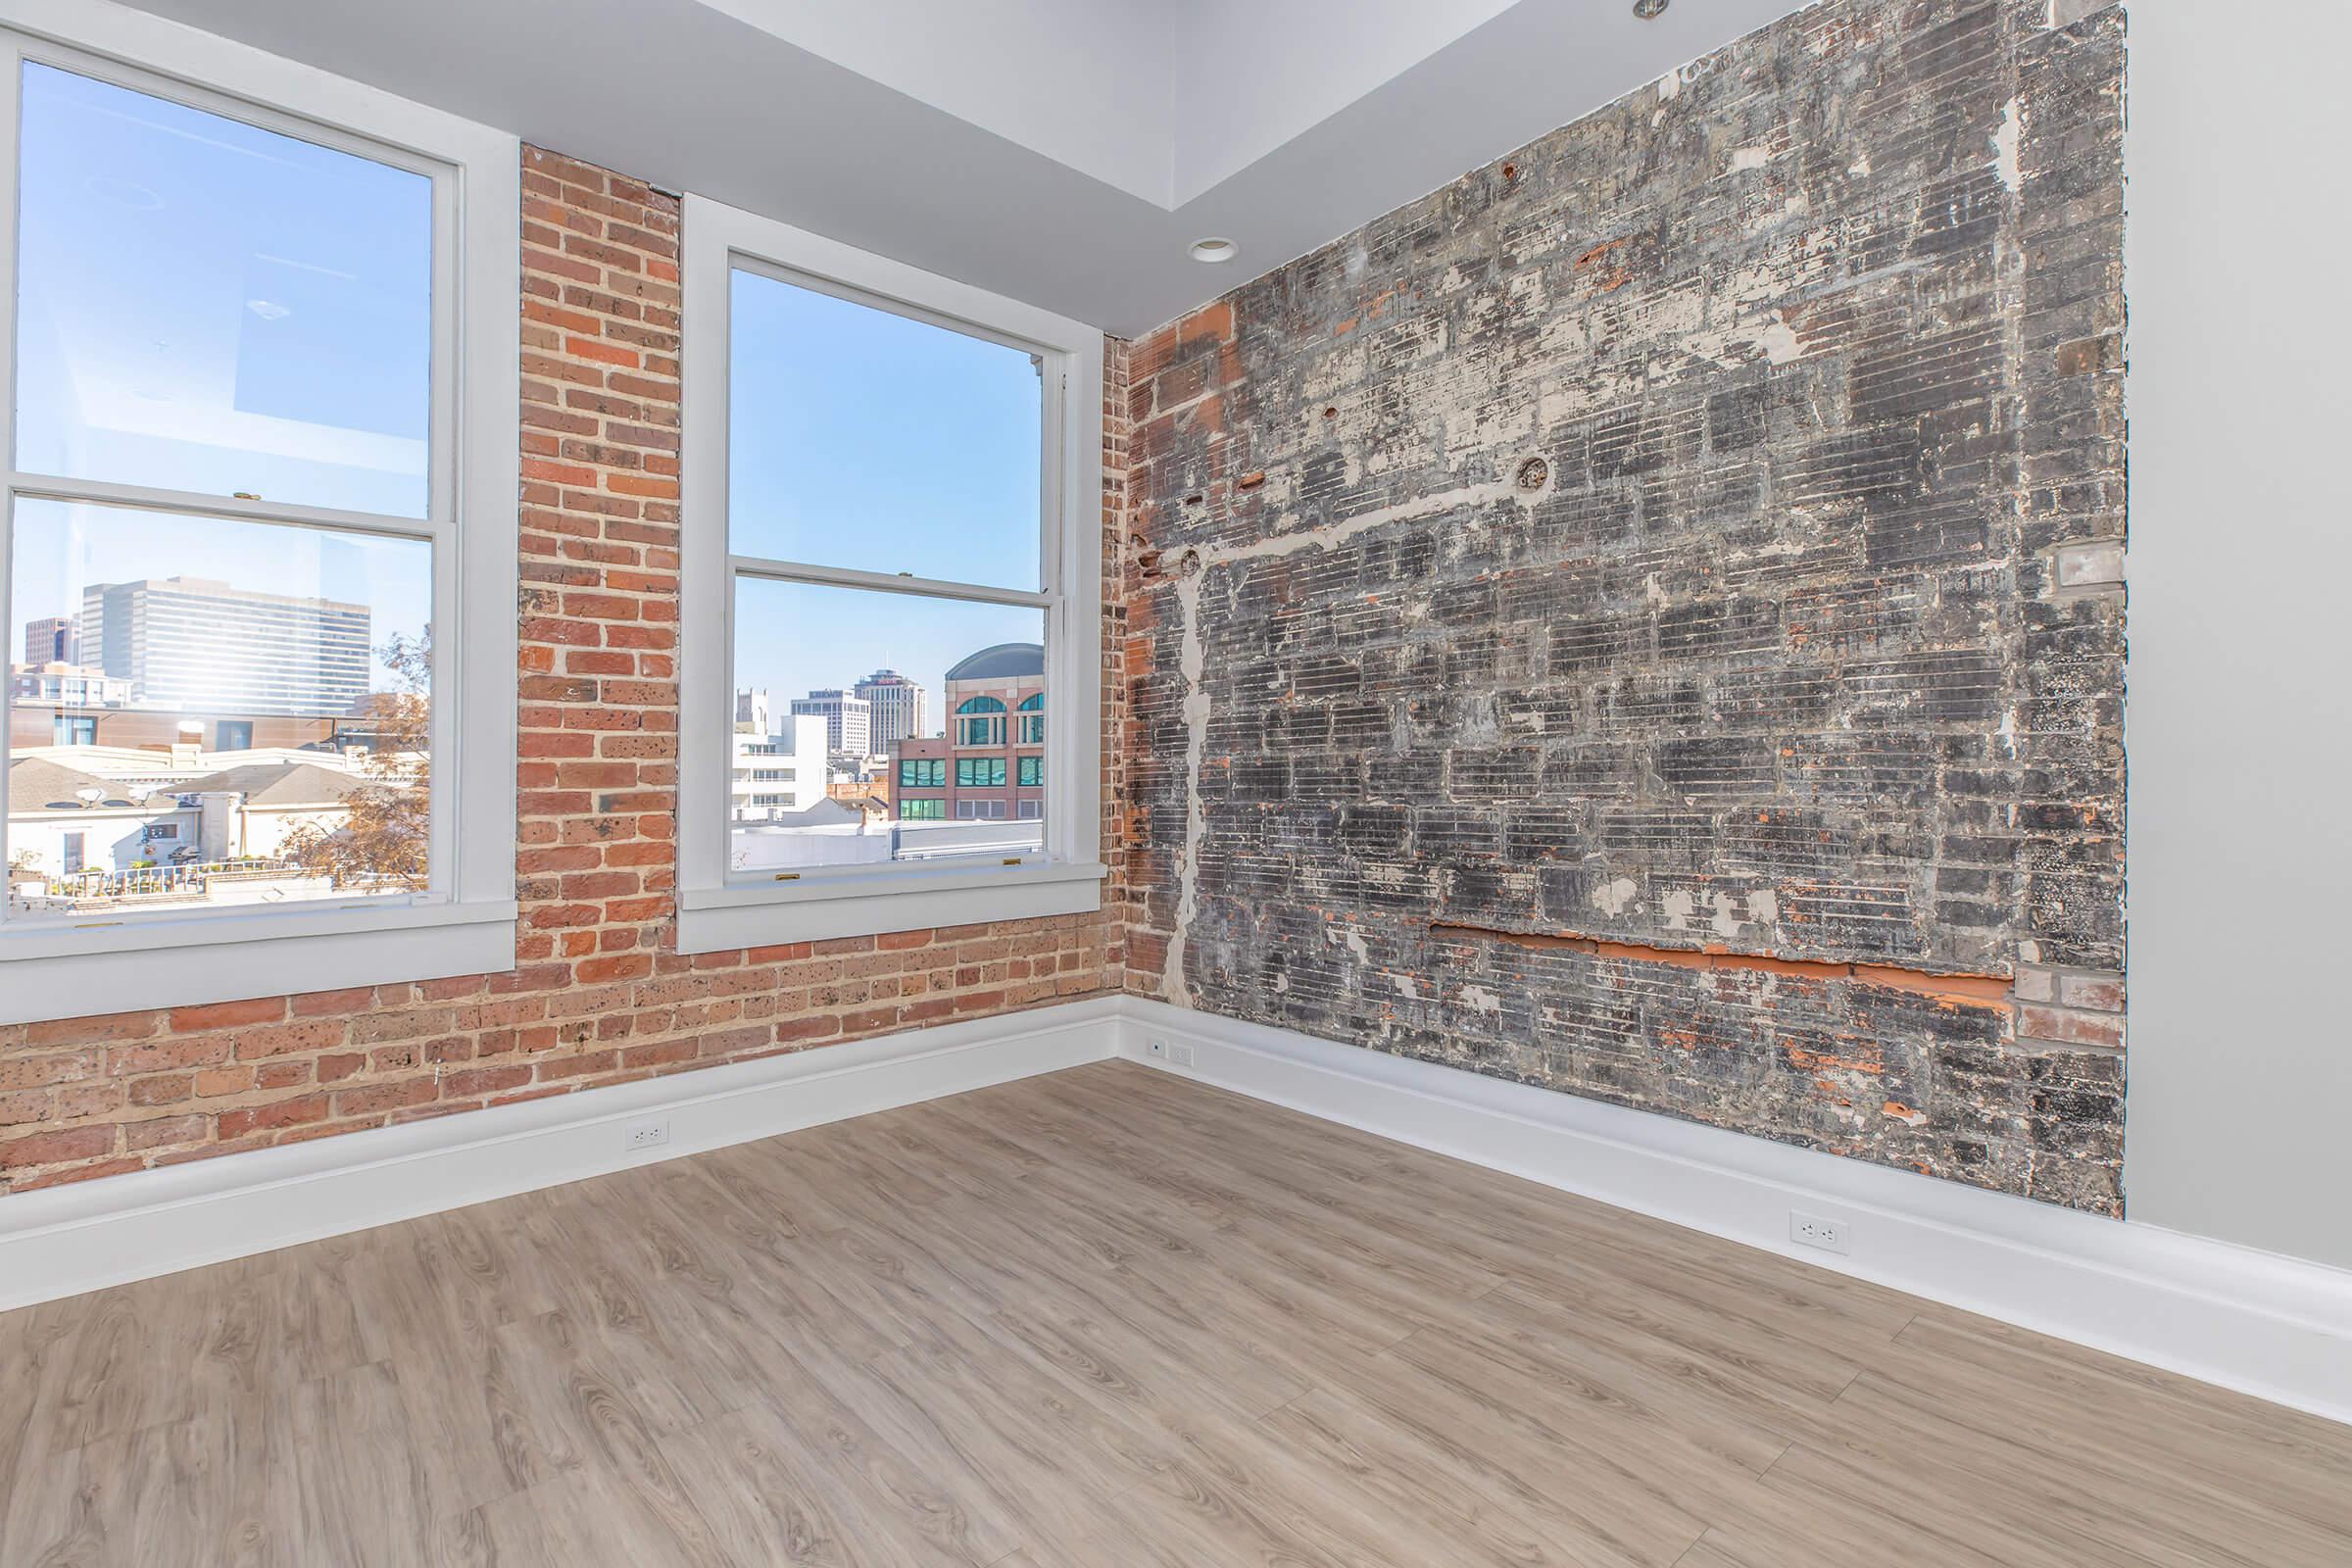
62	1241
2276	1327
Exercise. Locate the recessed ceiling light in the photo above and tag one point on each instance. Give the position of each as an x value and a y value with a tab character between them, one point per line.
1214	250
1647	8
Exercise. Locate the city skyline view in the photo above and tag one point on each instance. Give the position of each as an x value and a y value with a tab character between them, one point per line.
861	438
866	440
193	292
862	632
63	550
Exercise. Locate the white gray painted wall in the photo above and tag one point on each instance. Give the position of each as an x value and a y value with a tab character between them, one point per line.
2238	722
1250	74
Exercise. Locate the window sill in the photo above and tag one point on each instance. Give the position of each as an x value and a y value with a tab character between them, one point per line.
177	962
821	908
222	927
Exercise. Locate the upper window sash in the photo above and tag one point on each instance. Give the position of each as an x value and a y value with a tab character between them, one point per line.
290	119
837	562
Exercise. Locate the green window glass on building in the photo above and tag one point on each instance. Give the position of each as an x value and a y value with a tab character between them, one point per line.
981	723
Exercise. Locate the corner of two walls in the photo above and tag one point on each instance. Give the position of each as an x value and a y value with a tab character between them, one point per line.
1647	619
1643	620
600	995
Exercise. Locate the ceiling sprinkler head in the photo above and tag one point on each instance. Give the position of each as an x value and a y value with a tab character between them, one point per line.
1648	9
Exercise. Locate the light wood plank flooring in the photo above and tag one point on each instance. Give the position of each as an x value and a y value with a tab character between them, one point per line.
1100	1319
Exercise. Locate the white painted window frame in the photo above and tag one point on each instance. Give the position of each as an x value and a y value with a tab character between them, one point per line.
716	911
464	923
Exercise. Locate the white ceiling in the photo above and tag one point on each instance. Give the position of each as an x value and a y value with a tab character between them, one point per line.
1161	98
1068	79
1064	151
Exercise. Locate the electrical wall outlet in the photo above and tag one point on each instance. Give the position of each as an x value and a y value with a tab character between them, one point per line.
1180	1055
648	1134
1816	1230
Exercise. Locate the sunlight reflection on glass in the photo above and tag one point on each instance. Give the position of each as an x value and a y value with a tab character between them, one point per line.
207	305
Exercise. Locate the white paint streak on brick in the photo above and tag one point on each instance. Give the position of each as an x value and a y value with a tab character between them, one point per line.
1196	813
1727	920
2004	146
2091	565
1613	899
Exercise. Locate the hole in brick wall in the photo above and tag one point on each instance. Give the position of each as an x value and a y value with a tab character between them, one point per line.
1533	474
1510	170
1193	499
1331	414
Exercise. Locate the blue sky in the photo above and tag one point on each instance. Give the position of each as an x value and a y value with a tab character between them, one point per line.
866	440
208	306
211	307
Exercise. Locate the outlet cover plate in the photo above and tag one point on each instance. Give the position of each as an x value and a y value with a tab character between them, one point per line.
1817	1230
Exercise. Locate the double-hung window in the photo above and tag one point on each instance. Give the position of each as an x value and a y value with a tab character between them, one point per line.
261	331
883	468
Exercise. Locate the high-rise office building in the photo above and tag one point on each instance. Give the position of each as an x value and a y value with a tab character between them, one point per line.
849	720
51	640
898	705
193	643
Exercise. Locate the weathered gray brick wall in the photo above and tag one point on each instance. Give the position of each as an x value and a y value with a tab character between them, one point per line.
1647	619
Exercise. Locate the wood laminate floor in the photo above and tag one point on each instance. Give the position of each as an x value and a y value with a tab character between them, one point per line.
1092	1320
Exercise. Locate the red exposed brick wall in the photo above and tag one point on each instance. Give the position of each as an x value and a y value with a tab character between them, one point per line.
598	994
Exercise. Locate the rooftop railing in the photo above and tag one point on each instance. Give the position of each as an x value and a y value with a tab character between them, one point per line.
95	888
